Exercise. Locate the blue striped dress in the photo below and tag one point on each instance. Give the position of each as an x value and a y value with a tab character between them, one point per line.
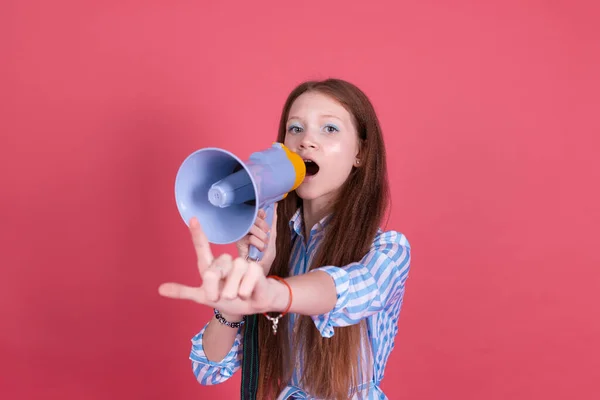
372	288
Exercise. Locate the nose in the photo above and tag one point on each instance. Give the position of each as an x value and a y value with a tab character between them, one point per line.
308	142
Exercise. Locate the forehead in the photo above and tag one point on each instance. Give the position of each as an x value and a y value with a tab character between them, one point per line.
314	104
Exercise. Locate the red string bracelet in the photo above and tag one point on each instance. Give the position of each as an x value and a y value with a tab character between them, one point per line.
275	320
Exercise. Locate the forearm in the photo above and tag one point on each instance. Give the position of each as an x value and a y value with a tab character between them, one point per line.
218	338
312	294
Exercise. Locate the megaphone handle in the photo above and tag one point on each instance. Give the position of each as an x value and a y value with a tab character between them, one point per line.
254	252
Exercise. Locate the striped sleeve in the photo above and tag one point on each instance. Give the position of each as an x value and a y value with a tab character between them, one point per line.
367	287
209	372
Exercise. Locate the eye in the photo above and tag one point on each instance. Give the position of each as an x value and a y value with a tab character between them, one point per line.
294	129
330	128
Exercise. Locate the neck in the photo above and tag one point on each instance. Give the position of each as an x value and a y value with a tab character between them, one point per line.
313	211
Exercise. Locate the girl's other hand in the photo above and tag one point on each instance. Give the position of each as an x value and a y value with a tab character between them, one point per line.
263	237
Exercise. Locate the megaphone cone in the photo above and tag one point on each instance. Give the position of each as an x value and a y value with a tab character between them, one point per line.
225	193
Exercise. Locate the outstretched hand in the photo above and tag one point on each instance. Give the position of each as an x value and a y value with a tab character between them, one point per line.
233	286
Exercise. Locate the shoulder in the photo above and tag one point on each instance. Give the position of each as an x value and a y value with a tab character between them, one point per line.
391	239
389	248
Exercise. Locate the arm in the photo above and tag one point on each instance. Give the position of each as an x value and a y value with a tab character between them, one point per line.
333	296
341	296
313	293
216	351
218	338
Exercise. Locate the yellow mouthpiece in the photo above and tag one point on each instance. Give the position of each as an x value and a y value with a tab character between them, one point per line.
298	164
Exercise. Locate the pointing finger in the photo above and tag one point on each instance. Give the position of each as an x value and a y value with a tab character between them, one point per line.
201	245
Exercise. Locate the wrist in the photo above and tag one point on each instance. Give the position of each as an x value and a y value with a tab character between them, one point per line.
281	296
233	318
265	267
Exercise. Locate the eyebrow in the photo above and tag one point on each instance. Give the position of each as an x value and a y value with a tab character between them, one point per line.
321	116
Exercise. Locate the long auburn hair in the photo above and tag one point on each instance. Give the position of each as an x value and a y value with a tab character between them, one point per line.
330	365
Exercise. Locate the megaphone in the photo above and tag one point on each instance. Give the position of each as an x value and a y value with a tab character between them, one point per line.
225	193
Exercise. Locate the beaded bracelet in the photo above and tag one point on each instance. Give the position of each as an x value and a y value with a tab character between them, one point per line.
222	320
275	320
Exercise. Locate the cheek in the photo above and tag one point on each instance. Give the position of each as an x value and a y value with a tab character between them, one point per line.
341	151
290	141
335	148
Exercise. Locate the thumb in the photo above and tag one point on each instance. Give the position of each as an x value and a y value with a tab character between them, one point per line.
273	231
182	292
274	222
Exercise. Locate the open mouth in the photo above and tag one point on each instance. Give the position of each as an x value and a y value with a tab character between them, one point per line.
311	167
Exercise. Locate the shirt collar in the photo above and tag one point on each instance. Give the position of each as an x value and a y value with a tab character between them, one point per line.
296	223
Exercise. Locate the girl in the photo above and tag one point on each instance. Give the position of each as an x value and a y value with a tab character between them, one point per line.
316	318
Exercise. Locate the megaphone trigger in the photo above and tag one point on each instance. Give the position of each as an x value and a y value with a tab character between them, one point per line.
225	193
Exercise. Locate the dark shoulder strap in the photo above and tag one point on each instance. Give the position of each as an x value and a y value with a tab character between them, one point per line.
250	360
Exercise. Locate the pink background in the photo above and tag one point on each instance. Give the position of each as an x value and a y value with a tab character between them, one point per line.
490	112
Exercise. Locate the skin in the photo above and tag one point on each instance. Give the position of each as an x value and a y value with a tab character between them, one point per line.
319	129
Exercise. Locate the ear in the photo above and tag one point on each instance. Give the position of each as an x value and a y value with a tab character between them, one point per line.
357	159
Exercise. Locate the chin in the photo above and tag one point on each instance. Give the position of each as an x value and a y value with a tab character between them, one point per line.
307	193
310	191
